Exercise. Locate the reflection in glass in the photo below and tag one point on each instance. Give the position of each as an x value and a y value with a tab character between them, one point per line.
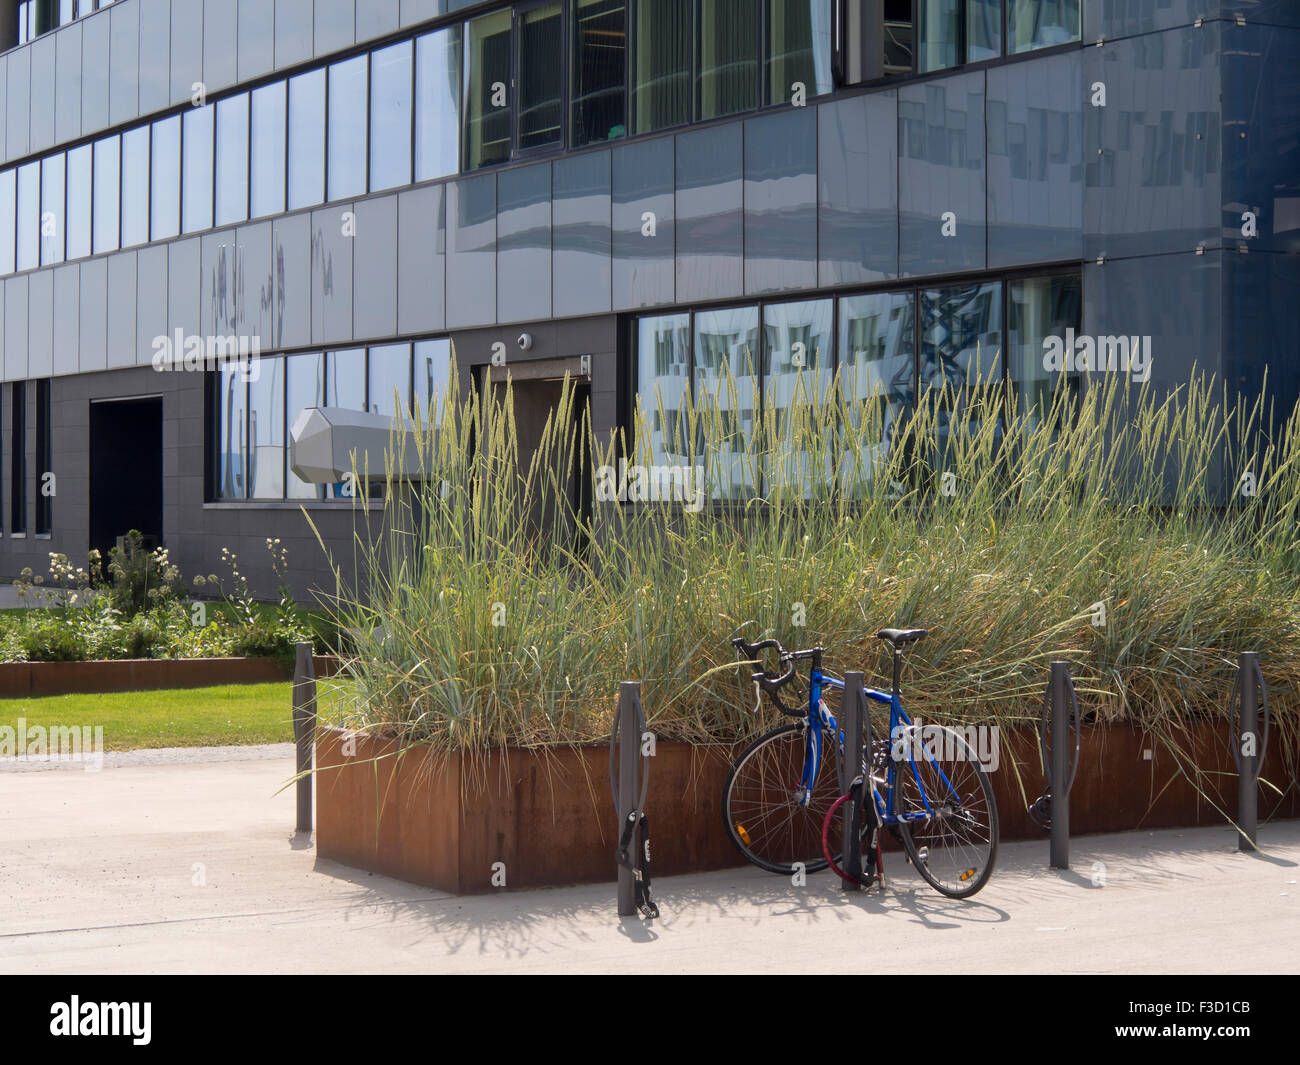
231	416
79	198
487	91
661	73
345	386
938	34
663	347
390	117
798	49
8	214
266	150
961	352
266	430
798	347
307	139
231	201
983	30
876	368
108	169
135	186
599	70
728	50
437	96
346	170
165	181
1039	308
432	371
541	83
304	383
1041	23
726	387
29	216
52	209
196	175
389	374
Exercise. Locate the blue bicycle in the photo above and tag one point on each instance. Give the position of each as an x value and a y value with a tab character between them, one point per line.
923	784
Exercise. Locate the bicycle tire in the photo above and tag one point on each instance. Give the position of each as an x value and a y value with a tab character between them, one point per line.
970	877
778	763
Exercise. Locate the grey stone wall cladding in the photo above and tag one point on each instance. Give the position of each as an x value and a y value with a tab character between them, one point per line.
1063	184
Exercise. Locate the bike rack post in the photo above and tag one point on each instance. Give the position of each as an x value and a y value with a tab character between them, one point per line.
1062	694
1250	688
304	728
628	723
854	713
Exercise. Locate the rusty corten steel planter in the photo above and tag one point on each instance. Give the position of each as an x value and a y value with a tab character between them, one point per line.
547	814
33	679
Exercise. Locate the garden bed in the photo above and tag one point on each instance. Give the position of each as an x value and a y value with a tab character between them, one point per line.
21	679
443	820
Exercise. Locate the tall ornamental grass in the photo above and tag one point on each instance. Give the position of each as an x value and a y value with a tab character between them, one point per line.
1084	524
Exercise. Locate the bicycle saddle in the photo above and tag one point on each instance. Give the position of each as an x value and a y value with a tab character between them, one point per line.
902	637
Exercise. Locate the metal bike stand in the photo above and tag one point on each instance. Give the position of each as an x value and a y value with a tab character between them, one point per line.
629	788
1250	694
1060	709
854	714
304	728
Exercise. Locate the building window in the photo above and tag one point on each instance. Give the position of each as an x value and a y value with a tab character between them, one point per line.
487	90
345	386
135	186
726	389
1038	309
304	385
18	457
798	49
798	363
8	219
389	379
437	113
266	152
165	183
196	151
728	36
661	53
307	139
52	209
540	112
266	430
431	377
29	216
877	366
599	70
390	116
663	347
80	190
44	469
230	419
108	172
346	170
1041	23
231	189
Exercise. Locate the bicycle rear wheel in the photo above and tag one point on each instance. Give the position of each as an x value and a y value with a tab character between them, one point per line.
955	843
760	801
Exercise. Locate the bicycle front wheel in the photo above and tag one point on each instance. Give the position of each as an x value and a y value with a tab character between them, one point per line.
761	804
948	816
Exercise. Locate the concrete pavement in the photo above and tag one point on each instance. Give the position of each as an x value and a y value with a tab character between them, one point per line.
193	868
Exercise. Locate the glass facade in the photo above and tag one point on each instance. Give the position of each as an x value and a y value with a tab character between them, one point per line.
253	414
749	365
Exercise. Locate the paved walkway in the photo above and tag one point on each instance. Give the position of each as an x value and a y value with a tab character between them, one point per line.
193	868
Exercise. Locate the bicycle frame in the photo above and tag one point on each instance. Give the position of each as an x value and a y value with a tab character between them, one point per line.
818	716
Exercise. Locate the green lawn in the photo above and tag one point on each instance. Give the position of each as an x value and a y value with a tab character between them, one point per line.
233	714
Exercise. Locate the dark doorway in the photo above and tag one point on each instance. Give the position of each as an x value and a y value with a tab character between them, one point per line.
538	388
126	477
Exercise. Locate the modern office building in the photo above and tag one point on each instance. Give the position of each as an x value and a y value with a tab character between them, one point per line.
642	192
